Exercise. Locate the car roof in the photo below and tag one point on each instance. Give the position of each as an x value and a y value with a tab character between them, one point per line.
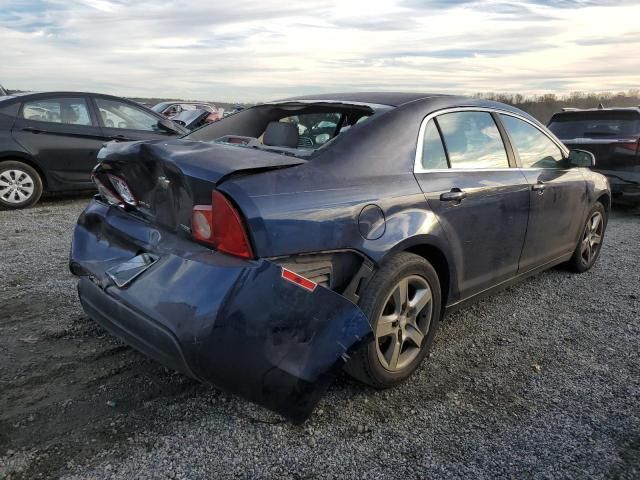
66	94
574	111
392	99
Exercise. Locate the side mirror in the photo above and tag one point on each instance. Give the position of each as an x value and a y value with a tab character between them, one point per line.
581	158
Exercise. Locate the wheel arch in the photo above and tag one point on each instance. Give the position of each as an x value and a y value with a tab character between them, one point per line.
440	263
432	250
26	159
605	200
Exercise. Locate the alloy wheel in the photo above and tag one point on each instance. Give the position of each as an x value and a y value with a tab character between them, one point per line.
592	238
404	323
16	186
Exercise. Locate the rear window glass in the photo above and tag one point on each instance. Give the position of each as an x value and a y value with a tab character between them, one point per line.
595	124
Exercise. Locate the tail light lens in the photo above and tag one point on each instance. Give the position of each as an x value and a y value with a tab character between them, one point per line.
106	193
123	190
221	226
633	146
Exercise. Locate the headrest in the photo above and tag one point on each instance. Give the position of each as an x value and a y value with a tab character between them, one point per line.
281	134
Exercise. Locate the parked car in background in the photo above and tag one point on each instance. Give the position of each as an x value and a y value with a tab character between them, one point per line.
234	110
613	136
172	108
249	258
49	141
192	119
3	91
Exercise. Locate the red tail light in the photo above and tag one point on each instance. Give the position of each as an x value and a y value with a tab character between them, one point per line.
633	146
123	190
106	193
221	226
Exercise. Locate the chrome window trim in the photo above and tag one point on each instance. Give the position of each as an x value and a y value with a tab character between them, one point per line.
417	165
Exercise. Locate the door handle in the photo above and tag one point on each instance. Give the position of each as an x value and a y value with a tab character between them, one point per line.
32	130
539	187
455	195
121	138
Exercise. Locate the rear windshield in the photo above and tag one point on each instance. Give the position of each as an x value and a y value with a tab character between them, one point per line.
604	124
293	128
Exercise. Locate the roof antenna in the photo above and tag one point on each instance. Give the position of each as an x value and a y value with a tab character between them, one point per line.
600	106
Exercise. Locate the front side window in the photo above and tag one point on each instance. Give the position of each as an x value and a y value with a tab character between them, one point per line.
473	140
433	154
66	111
534	148
121	115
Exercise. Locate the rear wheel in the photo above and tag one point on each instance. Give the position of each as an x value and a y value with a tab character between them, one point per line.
590	244
20	185
402	302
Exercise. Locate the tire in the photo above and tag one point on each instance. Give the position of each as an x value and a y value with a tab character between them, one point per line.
20	185
588	249
373	364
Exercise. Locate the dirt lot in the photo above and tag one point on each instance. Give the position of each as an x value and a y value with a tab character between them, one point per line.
541	380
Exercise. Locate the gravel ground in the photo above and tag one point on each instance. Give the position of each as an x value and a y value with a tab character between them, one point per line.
541	380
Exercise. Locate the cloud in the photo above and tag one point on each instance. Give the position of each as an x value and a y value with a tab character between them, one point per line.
258	50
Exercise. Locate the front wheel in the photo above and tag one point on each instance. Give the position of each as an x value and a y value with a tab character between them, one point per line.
590	244
402	302
20	185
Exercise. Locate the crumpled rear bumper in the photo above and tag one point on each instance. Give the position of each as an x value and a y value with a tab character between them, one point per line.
233	323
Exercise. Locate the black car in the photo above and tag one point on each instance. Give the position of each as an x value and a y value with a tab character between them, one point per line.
49	141
259	255
613	136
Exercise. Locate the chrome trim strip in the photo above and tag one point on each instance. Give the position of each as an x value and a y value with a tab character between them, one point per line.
417	165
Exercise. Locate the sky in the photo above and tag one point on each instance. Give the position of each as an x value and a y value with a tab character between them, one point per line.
246	50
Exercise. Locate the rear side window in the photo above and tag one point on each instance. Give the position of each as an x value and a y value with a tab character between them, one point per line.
534	148
433	154
67	111
596	124
473	140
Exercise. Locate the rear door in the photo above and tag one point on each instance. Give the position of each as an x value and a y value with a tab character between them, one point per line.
62	135
464	170
558	193
123	121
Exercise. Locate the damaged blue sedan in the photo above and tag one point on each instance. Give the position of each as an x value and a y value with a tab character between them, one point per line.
266	251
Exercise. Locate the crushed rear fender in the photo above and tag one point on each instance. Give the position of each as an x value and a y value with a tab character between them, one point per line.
235	324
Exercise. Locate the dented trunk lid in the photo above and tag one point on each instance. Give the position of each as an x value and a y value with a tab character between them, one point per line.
168	178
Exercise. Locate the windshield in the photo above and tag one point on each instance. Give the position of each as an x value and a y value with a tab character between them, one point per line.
291	128
596	124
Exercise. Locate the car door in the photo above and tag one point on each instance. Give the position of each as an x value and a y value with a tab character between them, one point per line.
558	193
464	170
62	136
124	121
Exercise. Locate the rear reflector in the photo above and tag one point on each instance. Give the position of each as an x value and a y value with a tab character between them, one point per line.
123	190
221	226
299	280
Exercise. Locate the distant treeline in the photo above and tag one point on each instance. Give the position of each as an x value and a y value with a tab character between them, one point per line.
539	106
543	106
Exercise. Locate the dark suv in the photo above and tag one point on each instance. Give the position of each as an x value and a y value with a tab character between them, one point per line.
613	136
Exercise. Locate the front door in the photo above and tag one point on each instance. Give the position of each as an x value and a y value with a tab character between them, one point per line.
62	137
123	121
557	194
482	203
